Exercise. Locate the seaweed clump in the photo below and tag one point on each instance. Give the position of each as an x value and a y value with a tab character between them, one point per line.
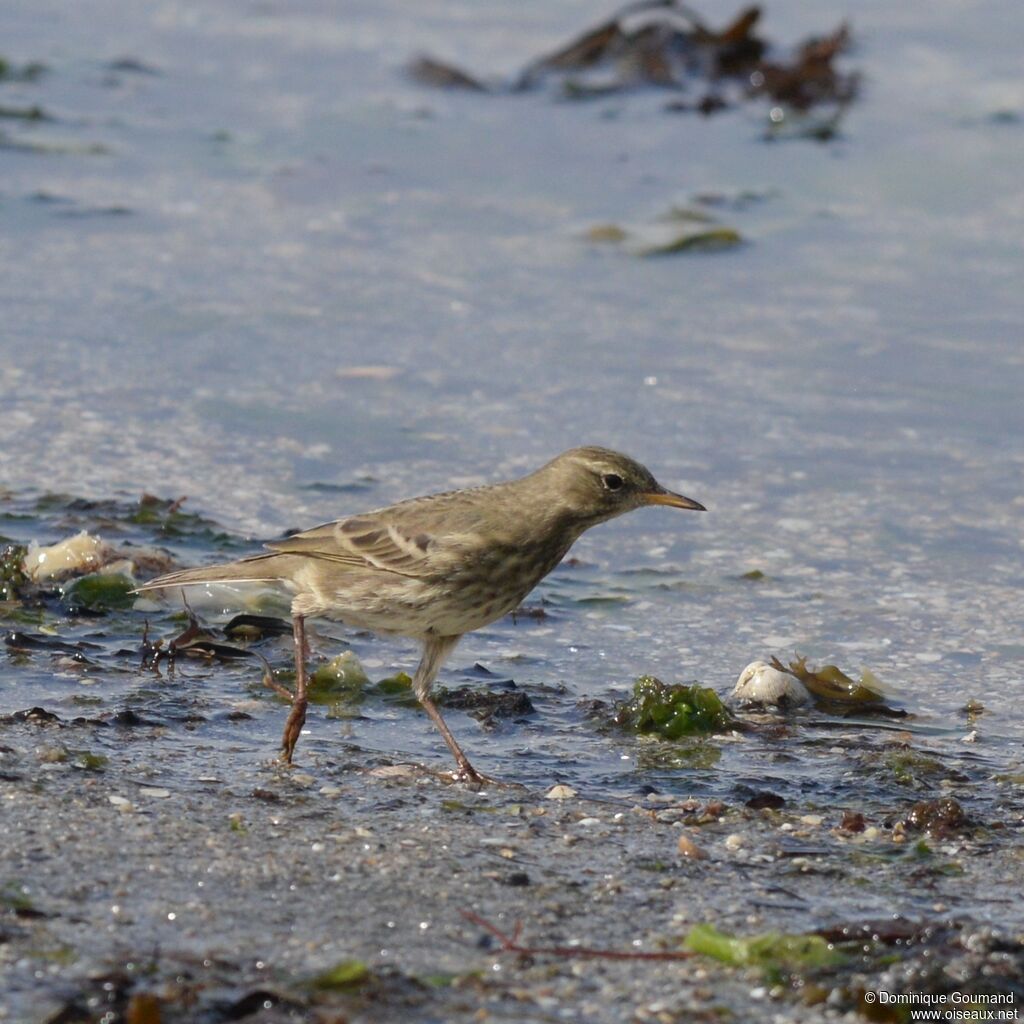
12	572
673	710
830	683
774	952
11	72
665	44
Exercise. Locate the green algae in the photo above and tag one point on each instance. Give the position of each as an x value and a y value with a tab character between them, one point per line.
87	761
343	975
14	897
673	711
12	571
909	767
100	592
33	113
695	753
771	951
340	679
30	72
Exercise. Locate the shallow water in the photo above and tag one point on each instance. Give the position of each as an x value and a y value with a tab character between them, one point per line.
274	206
843	392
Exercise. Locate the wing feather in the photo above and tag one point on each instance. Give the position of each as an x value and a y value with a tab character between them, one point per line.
363	542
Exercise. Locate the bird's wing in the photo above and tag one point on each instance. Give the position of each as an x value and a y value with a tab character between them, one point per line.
366	541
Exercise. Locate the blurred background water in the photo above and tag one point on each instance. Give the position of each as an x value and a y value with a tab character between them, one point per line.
239	207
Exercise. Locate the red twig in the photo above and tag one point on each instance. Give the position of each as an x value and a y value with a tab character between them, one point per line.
510	944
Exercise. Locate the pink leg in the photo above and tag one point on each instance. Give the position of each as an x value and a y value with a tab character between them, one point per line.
435	650
297	715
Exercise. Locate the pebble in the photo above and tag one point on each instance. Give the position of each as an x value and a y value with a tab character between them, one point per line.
589	822
121	803
688	848
330	790
812	819
560	792
734	841
154	791
393	771
670	815
660	798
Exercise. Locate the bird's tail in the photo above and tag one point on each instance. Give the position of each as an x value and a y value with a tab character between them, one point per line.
257	569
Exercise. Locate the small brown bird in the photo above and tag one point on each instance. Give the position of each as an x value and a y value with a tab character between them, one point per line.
439	566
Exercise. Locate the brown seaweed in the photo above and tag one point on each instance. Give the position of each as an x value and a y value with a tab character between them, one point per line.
664	44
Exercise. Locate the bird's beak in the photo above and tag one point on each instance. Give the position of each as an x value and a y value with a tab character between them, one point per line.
664	497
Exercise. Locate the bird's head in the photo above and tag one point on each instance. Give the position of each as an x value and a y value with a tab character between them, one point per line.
598	484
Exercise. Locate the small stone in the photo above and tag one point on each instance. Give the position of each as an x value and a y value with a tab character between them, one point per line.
393	771
560	792
734	841
766	800
155	792
689	849
121	803
812	819
330	790
589	822
517	878
852	821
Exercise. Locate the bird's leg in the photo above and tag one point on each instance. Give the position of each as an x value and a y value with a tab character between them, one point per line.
297	715
435	650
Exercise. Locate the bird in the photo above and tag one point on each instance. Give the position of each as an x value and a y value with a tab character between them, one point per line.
436	567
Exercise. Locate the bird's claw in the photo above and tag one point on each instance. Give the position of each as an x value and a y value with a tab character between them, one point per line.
292	731
468	774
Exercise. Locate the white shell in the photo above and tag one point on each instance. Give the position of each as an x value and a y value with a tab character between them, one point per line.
560	792
78	554
760	683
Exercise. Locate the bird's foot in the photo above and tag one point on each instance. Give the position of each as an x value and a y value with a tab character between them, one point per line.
468	774
292	730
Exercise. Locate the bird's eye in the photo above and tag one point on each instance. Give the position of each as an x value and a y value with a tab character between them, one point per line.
612	481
